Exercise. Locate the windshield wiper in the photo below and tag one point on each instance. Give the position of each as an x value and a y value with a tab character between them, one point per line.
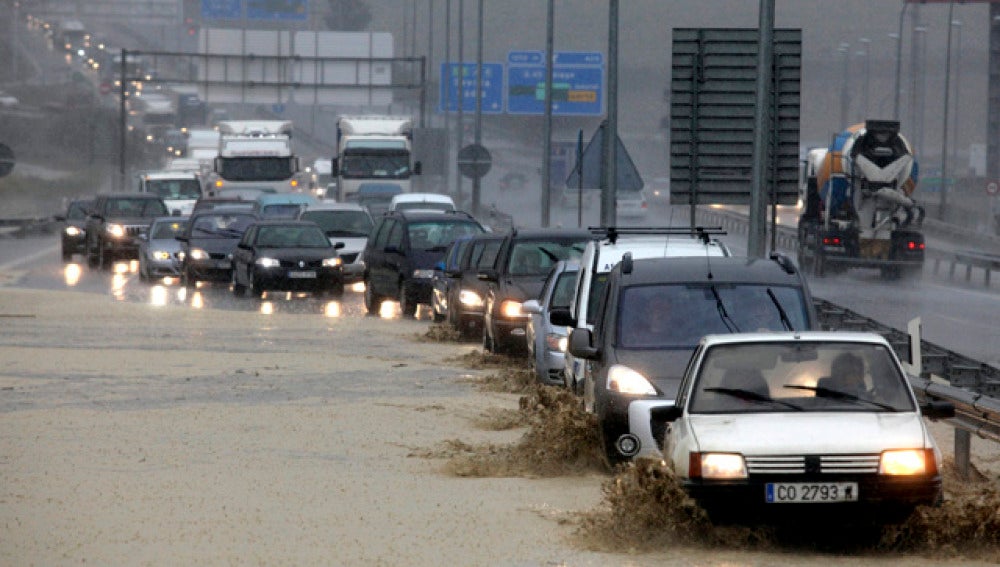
726	319
781	311
752	396
838	395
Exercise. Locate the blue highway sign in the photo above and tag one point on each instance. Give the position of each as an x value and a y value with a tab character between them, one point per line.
222	9
577	83
284	10
458	83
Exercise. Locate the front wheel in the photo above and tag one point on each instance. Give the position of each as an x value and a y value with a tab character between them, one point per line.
373	303
67	255
239	290
407	305
253	285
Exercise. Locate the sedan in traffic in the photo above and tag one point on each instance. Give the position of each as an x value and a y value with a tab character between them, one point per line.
208	244
781	426
159	249
287	255
547	342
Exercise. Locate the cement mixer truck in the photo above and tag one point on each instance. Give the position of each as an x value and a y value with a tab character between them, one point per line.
859	210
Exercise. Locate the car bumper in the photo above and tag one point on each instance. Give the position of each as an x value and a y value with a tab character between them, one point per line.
162	269
511	333
879	497
121	248
210	270
550	367
283	280
74	244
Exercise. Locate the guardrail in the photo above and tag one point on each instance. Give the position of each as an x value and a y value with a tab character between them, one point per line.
970	259
19	228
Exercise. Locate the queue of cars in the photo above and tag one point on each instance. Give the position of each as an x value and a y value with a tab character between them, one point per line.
685	353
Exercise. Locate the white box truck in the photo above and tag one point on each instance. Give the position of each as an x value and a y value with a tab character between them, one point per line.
373	151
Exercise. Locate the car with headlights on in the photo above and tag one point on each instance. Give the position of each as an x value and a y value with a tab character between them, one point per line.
547	342
441	281
208	242
402	252
650	316
286	255
791	425
526	257
159	249
466	292
115	221
74	232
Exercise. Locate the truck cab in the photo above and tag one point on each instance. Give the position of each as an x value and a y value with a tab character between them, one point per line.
179	189
373	149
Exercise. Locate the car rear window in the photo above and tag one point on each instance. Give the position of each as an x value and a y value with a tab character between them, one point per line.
425	235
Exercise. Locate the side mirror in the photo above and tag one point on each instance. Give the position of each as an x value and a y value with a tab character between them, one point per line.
488	275
439	266
580	346
418	168
243	245
531	306
339	245
665	413
938	409
181	238
561	316
392	249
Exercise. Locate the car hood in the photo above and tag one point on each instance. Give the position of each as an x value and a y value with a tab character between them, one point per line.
662	367
524	288
214	245
809	433
297	253
352	244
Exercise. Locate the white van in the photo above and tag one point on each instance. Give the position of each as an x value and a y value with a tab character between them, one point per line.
600	256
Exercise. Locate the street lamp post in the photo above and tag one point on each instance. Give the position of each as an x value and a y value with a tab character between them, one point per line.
845	50
957	24
866	53
899	58
944	129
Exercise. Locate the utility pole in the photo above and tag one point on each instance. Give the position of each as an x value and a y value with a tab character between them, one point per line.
609	189
943	206
550	59
757	231
477	180
461	94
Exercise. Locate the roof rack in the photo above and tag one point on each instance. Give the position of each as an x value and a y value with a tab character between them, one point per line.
613	232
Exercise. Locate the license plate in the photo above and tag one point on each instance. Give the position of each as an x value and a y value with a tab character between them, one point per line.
223	264
785	492
302	275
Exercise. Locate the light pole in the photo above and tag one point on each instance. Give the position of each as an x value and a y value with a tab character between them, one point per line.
845	50
899	58
957	24
916	93
867	50
942	209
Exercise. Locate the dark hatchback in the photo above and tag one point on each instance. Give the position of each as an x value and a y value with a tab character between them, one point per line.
466	292
524	261
286	255
208	244
649	320
74	233
401	254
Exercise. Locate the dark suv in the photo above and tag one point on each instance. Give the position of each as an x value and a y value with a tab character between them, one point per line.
74	233
401	253
525	259
115	222
649	320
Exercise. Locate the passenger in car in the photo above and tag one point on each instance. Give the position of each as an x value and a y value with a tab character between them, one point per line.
847	375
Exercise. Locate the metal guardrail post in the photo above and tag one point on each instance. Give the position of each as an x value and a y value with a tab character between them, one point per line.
963	452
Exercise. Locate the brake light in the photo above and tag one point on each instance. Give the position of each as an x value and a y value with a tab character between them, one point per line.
834	240
911	245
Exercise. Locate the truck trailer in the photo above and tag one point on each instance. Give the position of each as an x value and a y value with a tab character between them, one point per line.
859	210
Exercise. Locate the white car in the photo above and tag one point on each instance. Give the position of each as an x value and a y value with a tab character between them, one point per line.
422	202
347	223
8	100
771	425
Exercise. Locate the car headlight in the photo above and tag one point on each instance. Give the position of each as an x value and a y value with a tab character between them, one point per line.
624	380
423	274
332	262
198	254
73	231
470	298
115	230
267	262
906	462
511	309
717	466
161	255
556	342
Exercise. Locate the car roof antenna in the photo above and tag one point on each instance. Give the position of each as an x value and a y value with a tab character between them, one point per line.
708	257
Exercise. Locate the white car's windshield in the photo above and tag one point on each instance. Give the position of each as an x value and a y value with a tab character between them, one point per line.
800	377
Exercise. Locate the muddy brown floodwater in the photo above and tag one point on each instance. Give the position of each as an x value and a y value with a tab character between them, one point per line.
140	435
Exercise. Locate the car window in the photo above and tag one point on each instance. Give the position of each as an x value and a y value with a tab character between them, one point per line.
537	257
678	315
167	230
135	208
341	223
220	225
562	292
488	255
77	211
799	376
175	188
291	237
597	285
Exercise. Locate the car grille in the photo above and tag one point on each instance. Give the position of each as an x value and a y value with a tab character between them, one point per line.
305	264
135	229
823	464
218	255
